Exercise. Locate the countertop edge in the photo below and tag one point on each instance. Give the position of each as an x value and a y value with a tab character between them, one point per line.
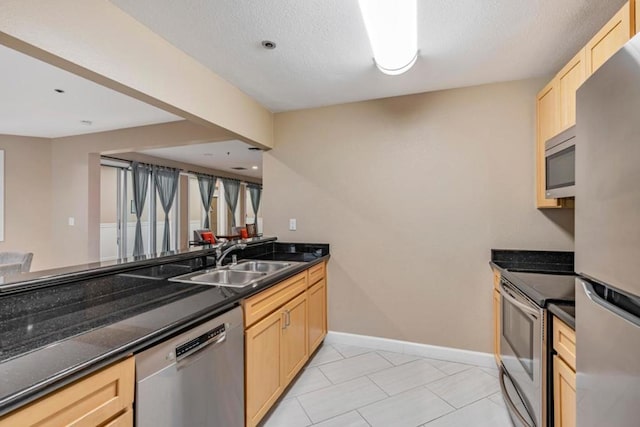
559	311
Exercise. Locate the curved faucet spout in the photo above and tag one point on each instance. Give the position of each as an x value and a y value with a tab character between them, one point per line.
221	255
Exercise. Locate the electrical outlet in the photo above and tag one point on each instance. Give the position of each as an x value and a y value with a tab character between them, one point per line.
293	224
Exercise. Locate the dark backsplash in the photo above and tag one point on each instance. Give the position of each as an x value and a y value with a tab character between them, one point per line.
538	261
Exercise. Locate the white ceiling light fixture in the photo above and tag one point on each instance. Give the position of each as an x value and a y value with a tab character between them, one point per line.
392	26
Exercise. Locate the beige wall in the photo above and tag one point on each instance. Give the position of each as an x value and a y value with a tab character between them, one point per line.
108	194
412	193
76	179
27	225
98	41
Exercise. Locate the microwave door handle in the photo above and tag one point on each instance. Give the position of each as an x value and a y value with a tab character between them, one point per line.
506	294
514	410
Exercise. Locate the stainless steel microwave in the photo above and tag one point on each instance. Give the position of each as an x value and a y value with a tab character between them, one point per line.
560	165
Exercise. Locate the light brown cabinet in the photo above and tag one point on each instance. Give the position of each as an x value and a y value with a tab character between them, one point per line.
283	324
317	300
295	346
564	374
496	315
636	15
556	102
564	394
263	366
547	125
610	38
103	398
568	80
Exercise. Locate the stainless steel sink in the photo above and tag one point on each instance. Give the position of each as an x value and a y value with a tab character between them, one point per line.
225	277
260	266
238	275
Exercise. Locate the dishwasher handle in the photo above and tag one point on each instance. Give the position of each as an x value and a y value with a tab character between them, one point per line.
216	335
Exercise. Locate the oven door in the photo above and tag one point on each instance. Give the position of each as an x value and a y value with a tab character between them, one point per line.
521	351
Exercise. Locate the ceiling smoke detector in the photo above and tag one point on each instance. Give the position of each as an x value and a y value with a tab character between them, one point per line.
268	44
239	168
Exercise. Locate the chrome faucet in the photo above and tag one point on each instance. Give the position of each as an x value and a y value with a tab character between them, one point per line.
221	255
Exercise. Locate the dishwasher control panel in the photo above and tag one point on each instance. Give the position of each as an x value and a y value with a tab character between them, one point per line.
216	334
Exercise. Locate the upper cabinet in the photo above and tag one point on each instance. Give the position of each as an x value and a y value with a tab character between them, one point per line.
556	102
547	124
568	81
610	38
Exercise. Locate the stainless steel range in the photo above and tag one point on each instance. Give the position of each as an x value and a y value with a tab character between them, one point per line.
523	341
522	350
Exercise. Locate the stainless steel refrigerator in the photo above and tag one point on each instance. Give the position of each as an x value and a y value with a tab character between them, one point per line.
607	243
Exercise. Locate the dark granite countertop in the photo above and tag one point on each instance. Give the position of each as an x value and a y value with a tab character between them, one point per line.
50	336
565	312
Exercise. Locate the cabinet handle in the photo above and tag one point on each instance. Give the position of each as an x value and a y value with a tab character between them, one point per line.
288	318
284	319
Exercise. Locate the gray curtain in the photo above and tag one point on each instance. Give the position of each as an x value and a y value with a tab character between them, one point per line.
207	186
166	180
231	193
140	173
255	192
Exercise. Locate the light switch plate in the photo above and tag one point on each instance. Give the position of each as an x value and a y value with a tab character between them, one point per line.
72	221
293	224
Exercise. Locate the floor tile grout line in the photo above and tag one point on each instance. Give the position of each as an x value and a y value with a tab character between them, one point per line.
305	412
362	416
379	352
463	406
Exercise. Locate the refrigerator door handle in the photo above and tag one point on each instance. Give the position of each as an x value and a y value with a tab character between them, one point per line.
594	297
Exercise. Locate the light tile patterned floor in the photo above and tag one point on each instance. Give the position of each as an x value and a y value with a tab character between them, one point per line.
346	386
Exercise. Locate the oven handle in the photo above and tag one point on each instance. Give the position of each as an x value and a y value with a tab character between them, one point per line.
502	373
524	307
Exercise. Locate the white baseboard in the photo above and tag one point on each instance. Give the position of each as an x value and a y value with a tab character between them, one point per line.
485	360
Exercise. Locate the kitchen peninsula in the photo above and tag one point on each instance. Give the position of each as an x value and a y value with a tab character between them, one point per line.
59	329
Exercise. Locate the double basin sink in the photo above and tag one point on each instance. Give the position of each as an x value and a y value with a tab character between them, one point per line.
238	275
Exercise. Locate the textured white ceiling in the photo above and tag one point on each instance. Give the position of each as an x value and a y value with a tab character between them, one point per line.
216	155
323	55
31	107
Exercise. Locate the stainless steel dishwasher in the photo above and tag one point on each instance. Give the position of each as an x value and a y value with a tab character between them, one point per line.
195	378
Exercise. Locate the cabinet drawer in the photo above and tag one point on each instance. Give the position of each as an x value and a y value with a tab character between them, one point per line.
260	305
316	273
564	342
91	401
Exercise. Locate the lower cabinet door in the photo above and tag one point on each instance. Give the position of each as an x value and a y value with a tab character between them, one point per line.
564	394
317	302
263	375
295	346
96	400
496	326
